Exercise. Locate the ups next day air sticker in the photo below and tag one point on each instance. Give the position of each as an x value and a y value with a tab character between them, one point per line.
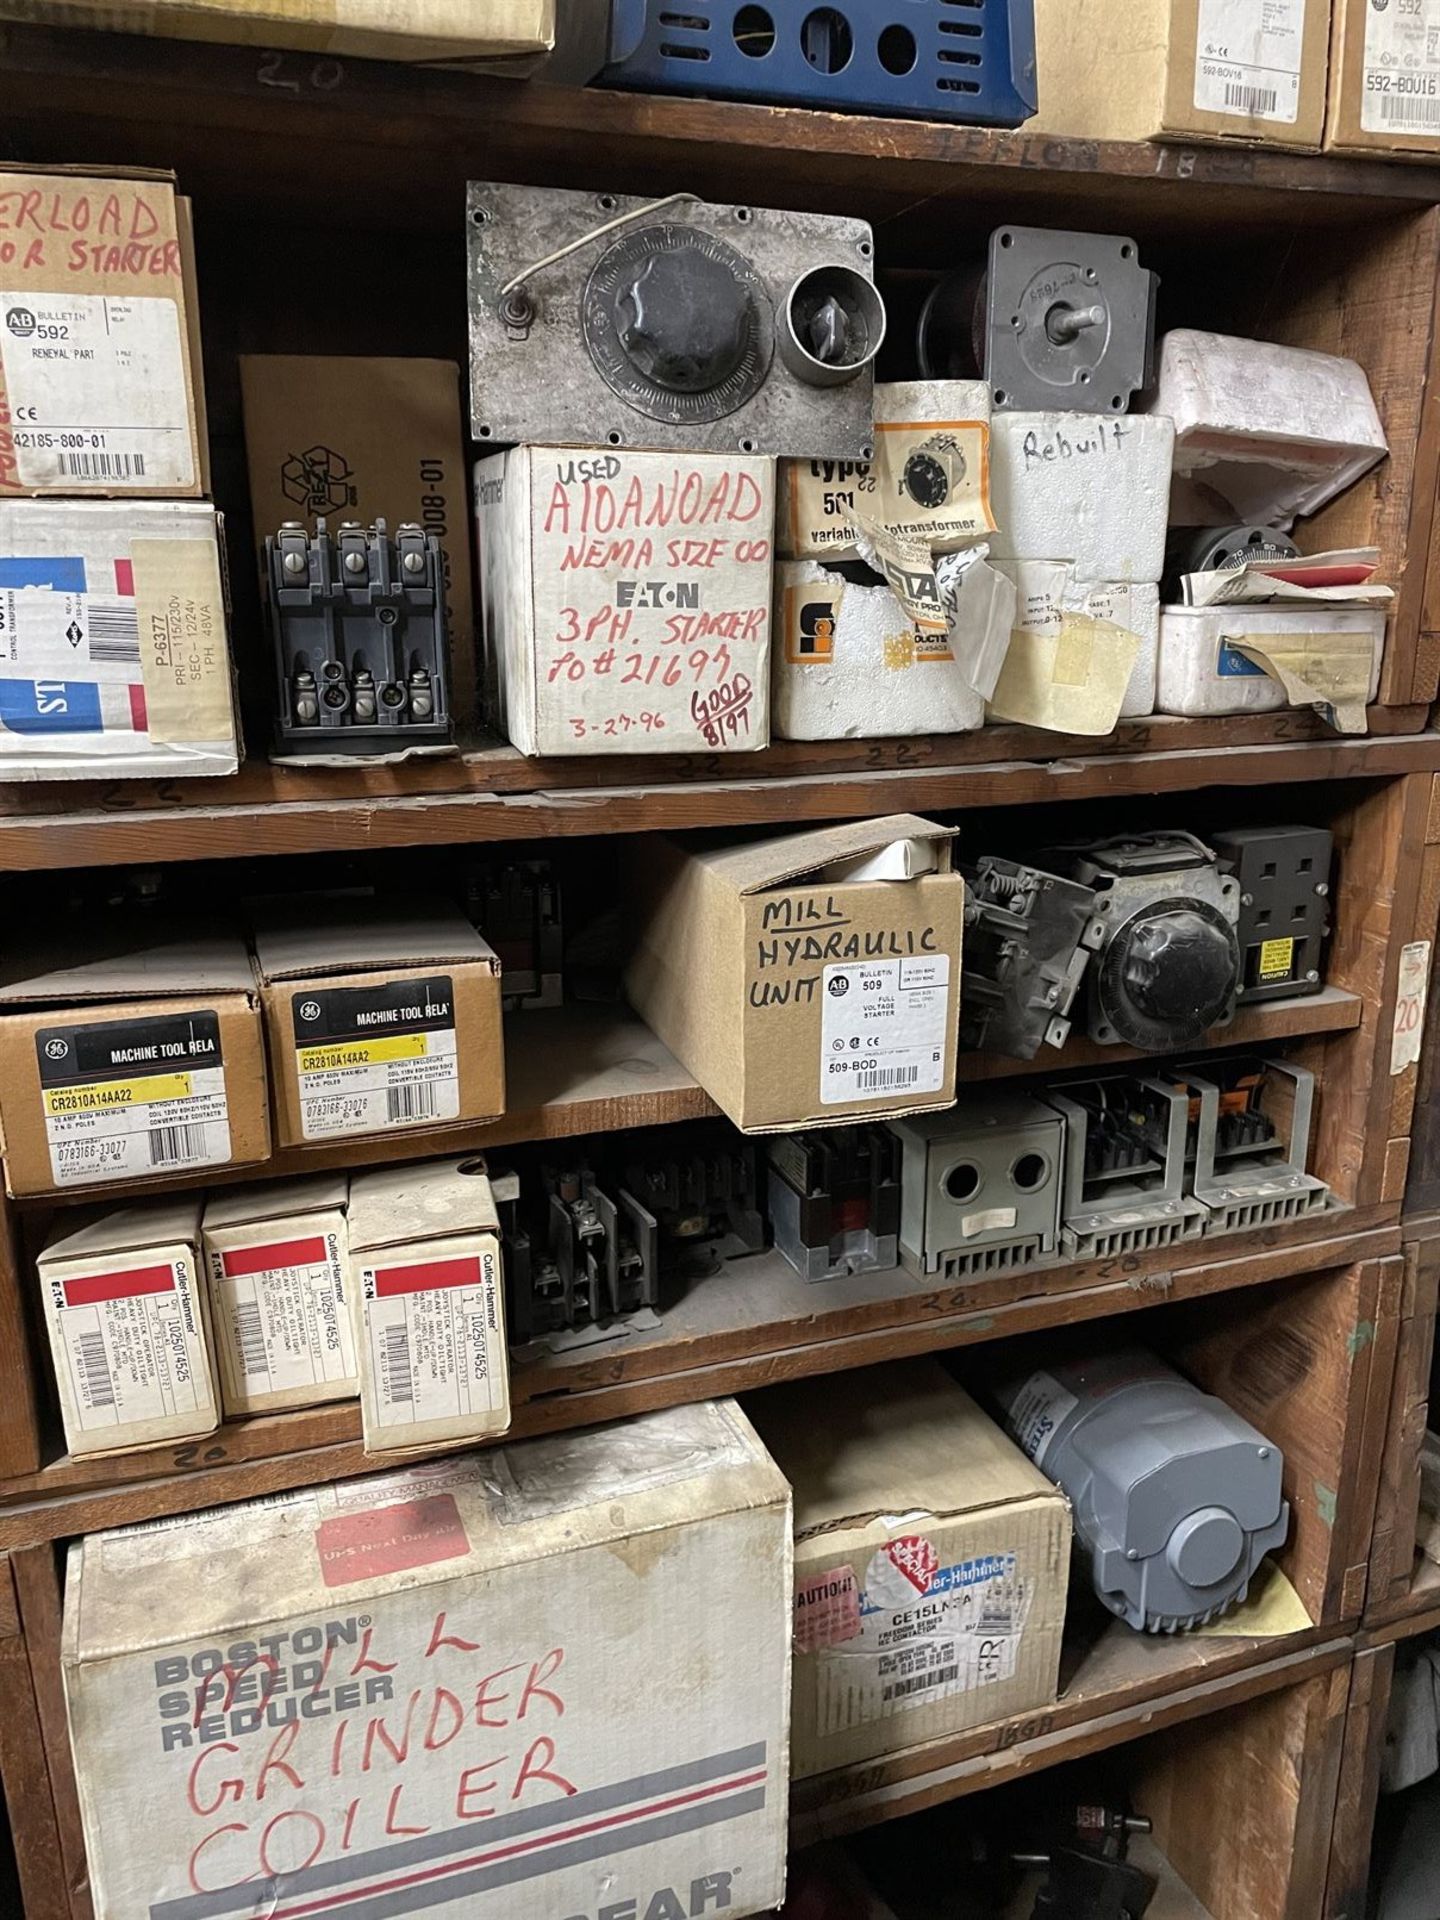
122	1049
338	1014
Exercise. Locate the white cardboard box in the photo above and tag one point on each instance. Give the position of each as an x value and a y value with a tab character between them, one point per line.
1084	488
427	1295
126	1313
521	1685
114	644
626	598
276	1257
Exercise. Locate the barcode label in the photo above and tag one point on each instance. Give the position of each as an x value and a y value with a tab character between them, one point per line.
1404	110
884	1078
921	1683
252	1340
114	630
102	466
414	1100
178	1146
95	1370
1240	99
399	1380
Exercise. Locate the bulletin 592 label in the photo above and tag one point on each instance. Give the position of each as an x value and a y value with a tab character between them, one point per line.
882	1029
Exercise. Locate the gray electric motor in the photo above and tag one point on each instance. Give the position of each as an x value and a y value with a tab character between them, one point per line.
1176	1498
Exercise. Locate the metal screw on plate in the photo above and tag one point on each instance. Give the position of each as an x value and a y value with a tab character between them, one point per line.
517	310
1312	974
294	563
414	563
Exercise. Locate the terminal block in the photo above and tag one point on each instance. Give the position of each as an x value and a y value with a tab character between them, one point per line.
834	1200
516	905
1284	879
980	1188
1029	936
704	1195
358	623
1124	1166
578	1259
1249	1141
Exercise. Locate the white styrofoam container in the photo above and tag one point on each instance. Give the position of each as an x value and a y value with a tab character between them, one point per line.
873	675
543	1680
1200	674
1084	488
1263	433
1048	588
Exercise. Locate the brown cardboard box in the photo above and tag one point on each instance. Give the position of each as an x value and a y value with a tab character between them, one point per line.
1384	78
931	1561
1251	70
359	440
428	1298
146	1059
379	1015
808	979
377	29
101	388
129	1334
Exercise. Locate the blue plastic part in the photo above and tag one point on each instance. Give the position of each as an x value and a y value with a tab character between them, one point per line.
968	60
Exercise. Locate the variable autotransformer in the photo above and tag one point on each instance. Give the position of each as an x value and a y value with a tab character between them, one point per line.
608	320
1176	1498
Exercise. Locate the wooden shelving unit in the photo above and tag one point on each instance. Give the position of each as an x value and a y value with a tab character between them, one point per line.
1324	1320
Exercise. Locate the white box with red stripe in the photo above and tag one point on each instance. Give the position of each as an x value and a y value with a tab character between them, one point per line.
427	1295
128	1327
275	1256
545	1682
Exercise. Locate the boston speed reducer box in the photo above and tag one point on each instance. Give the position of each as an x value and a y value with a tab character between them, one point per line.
114	651
544	1681
808	979
100	383
930	1563
379	1015
427	1295
125	1310
626	599
146	1059
276	1257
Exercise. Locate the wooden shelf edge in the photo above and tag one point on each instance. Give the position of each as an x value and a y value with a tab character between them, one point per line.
1408	1614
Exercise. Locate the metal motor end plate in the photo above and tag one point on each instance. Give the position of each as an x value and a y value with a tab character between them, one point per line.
1069	320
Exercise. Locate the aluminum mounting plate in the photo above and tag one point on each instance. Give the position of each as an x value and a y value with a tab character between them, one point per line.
537	383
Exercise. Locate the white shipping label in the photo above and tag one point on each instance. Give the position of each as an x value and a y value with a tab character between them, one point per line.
96	390
280	1316
130	1345
434	1346
882	1028
374	1057
1410	992
131	1097
926	1632
1036	1412
1402	67
1247	58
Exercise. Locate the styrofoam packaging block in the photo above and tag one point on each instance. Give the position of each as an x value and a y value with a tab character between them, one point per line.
1262	432
1201	674
849	664
1092	490
1048	588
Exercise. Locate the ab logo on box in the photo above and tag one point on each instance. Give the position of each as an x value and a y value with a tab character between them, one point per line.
20	321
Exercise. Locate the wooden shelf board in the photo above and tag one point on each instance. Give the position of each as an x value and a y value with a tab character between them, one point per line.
279	812
1415	1612
1121	1685
753	1323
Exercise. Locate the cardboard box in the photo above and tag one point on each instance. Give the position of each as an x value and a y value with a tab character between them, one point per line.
114	647
512	1643
276	1257
379	1015
626	599
1384	78
428	1299
931	1561
125	1311
101	388
448	30
1250	70
146	1059
354	439
806	979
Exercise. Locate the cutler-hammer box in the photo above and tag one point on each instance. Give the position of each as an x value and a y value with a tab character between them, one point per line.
548	1680
931	1561
806	979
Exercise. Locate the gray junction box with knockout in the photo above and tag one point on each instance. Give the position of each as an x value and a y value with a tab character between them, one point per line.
1176	1498
980	1189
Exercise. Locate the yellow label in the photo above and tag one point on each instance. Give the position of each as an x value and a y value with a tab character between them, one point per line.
1277	959
102	1094
361	1053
